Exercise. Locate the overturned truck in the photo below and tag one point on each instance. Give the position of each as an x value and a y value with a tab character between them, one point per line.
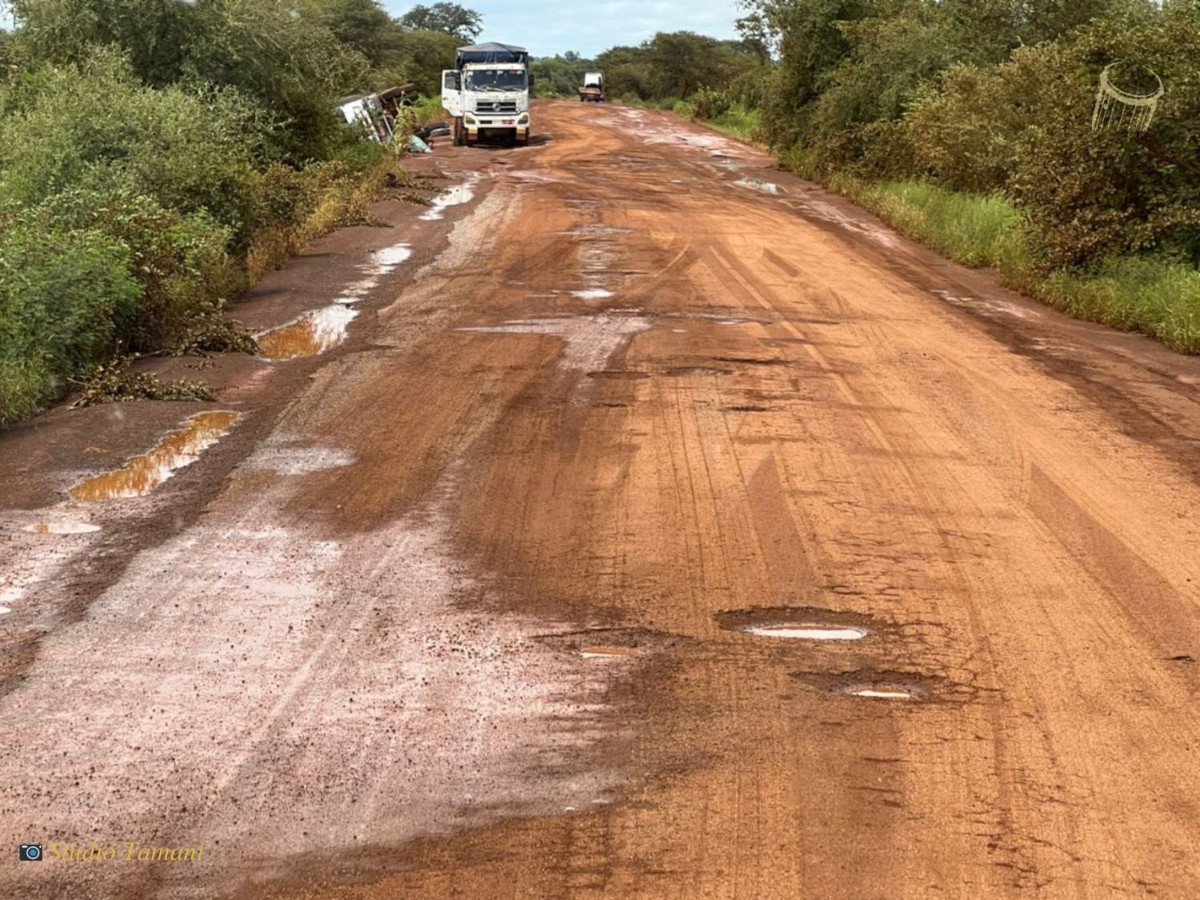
487	93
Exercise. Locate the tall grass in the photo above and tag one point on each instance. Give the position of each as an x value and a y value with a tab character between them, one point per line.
978	231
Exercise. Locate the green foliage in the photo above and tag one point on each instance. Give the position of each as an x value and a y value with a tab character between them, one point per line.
155	158
462	24
675	65
63	294
280	52
188	150
561	76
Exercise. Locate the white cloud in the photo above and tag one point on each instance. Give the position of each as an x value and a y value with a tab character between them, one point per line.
547	27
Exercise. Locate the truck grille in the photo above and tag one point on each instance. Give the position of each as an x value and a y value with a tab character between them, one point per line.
496	107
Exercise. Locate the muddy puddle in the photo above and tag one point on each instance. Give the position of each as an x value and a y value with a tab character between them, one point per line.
313	334
754	184
883	686
883	692
608	652
798	624
590	340
456	195
61	528
383	262
143	474
805	631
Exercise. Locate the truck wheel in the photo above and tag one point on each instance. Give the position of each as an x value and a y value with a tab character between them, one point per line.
458	133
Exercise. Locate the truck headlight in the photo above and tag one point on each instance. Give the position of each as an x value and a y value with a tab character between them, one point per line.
524	119
468	118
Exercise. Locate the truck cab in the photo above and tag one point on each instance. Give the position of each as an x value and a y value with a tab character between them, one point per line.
488	93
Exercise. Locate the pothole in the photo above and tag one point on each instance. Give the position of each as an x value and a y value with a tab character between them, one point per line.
61	528
896	686
311	335
143	474
883	692
798	624
805	631
453	196
608	652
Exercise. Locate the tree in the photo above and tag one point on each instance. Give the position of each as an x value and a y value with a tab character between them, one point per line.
449	18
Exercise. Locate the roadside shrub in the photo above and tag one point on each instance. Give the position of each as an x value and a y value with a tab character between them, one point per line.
190	151
181	261
65	297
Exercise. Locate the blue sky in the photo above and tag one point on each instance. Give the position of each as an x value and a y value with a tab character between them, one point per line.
547	27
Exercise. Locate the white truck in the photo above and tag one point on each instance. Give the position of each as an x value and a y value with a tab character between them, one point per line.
593	88
488	93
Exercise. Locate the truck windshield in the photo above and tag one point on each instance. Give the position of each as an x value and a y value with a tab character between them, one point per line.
495	80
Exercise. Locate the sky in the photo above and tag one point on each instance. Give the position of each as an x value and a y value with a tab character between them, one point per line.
547	27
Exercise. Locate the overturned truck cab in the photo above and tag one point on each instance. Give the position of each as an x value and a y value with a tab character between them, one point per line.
488	93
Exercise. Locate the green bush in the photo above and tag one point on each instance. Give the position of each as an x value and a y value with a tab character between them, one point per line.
190	151
64	298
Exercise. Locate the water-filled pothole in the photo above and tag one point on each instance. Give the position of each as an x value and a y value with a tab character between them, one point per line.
798	624
756	184
892	685
608	652
455	195
883	692
143	474
805	631
62	528
311	335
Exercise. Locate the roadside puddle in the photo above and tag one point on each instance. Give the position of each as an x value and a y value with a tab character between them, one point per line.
311	335
61	528
383	262
453	196
143	474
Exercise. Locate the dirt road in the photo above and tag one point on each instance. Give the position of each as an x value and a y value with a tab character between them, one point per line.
665	527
